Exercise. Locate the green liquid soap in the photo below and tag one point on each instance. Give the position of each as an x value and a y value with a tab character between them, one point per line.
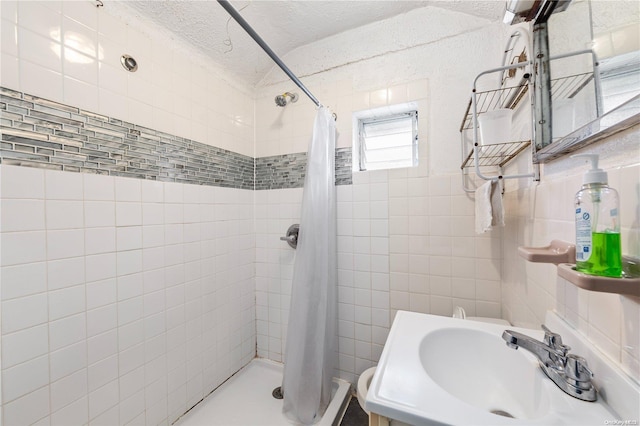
606	257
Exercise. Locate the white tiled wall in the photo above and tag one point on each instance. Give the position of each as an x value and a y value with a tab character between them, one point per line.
363	271
437	260
122	300
70	52
275	211
404	243
406	240
406	237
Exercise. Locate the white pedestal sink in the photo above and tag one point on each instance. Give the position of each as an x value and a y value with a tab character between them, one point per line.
439	371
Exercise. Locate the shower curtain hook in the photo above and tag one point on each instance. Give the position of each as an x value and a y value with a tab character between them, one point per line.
333	114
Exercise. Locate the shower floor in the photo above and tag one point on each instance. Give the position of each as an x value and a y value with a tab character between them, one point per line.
245	399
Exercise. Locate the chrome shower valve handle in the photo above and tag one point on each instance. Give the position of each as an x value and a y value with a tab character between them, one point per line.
292	235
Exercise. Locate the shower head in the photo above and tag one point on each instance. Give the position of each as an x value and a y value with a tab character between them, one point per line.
281	100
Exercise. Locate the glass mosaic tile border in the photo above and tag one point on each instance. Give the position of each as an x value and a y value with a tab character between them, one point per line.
288	171
37	132
344	166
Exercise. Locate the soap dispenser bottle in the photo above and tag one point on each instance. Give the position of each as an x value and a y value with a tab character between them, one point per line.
598	248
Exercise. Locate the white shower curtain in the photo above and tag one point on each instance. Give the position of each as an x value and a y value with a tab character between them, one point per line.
311	334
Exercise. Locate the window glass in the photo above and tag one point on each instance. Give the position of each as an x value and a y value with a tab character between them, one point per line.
388	142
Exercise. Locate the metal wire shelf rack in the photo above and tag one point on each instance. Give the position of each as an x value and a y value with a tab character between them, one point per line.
496	155
565	87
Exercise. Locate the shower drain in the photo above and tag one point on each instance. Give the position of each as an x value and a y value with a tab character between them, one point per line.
277	393
499	413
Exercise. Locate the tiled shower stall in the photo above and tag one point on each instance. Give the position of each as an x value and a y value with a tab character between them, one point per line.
141	213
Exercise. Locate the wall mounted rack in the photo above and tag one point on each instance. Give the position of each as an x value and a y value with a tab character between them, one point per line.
488	161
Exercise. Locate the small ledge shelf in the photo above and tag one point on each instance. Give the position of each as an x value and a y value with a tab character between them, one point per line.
556	252
627	286
563	254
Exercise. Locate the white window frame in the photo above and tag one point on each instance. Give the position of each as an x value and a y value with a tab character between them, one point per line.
377	116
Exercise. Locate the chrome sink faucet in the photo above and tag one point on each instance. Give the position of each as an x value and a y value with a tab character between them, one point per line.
568	371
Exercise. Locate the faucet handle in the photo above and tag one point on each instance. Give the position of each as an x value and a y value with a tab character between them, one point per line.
554	340
576	368
578	375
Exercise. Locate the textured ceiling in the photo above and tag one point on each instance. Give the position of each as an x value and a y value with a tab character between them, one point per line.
284	25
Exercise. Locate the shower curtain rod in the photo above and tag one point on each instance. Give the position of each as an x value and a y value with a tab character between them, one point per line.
244	24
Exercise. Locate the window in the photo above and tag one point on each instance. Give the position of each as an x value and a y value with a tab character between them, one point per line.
388	141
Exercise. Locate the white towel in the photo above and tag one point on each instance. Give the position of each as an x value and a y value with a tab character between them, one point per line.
489	210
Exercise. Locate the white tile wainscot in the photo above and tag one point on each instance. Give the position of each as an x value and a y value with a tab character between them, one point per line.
122	300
